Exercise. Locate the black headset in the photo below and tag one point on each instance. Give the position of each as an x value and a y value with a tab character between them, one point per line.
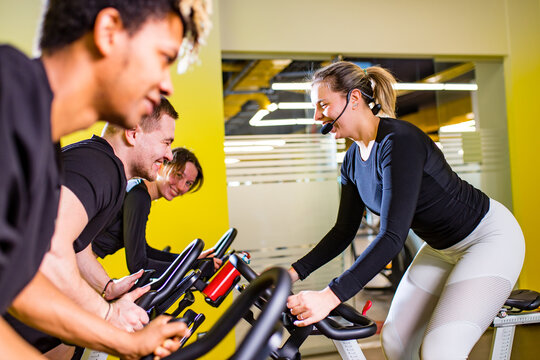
375	110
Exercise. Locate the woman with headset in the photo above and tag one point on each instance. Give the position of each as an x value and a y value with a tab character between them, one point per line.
474	247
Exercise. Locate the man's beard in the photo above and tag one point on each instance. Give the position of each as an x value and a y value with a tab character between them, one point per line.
144	172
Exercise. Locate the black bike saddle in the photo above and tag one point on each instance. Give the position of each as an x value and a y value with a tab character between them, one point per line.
524	299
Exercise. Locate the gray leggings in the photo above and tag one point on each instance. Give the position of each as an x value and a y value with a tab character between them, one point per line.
448	298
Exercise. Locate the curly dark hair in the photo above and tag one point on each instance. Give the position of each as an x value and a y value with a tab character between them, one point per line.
65	21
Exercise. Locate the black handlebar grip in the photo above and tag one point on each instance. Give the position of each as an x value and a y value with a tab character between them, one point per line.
143	280
361	326
224	243
244	269
157	283
189	256
145	301
184	262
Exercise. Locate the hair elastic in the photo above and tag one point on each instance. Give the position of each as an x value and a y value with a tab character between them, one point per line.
105	288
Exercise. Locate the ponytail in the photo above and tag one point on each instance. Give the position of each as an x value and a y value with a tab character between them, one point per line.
383	89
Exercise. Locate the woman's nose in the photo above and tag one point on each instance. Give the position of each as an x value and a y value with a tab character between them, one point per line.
185	187
318	115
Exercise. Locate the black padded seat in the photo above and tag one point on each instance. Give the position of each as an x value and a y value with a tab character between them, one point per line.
524	299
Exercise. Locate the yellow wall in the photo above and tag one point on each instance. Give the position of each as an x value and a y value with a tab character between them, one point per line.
522	75
461	29
18	23
198	100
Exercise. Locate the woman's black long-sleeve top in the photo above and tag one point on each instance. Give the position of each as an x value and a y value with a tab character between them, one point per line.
406	181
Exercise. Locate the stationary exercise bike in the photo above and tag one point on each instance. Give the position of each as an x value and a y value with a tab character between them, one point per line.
344	325
172	284
219	251
169	285
161	291
178	280
522	307
264	336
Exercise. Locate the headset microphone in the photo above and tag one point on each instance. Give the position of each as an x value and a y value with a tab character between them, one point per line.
327	127
375	110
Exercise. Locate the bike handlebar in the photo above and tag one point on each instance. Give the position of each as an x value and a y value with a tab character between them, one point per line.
183	263
224	243
158	282
361	326
276	280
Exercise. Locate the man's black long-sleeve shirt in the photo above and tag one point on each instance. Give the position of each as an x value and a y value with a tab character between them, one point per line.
129	231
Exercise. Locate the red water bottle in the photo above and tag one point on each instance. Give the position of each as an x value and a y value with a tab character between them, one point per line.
223	281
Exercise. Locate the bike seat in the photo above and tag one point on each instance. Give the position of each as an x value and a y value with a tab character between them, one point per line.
524	299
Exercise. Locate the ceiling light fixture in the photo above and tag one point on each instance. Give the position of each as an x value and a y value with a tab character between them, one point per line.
295	105
291	86
436	87
272	107
398	86
283	122
258	117
257	120
466	126
237	149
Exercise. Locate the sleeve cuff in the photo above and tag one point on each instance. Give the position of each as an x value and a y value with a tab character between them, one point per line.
300	270
342	294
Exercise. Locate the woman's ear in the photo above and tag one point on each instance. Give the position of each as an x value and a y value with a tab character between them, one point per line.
356	97
108	30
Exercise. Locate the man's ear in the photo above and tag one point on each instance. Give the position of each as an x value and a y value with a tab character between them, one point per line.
132	135
108	30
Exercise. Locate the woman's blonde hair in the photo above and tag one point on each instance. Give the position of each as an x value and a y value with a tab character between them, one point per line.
375	81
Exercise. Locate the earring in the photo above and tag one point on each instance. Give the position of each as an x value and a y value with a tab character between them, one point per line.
355	106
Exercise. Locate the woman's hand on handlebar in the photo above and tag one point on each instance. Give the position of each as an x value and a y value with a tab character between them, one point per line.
159	337
210	254
127	315
310	307
119	287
